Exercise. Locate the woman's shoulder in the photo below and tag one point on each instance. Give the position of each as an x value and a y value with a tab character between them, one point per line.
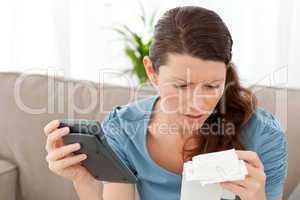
264	134
134	110
260	128
262	120
125	121
122	128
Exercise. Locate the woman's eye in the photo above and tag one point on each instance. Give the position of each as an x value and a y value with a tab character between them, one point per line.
181	86
212	86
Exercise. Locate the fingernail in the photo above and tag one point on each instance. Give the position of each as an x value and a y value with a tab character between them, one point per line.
65	130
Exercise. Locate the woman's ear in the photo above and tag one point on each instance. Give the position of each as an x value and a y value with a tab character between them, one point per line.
152	75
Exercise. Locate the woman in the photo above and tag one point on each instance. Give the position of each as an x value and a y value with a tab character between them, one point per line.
201	108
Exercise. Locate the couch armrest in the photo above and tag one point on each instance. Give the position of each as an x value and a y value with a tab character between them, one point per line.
8	180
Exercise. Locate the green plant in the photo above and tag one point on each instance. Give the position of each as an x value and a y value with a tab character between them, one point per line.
137	44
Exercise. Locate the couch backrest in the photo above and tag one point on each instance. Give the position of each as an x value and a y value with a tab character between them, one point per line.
28	102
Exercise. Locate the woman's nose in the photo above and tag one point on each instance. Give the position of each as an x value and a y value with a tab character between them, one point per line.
199	104
195	107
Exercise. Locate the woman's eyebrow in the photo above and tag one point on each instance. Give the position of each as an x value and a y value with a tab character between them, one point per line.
176	78
217	80
208	81
180	79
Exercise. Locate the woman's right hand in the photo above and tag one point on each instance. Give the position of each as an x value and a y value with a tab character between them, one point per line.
60	157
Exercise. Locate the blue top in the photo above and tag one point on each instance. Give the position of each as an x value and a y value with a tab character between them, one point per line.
126	128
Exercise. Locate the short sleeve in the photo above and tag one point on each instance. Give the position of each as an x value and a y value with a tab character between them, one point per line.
116	136
274	155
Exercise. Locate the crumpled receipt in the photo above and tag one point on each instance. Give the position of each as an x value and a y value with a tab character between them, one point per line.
202	175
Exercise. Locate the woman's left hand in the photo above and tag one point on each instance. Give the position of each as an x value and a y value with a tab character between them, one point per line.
253	186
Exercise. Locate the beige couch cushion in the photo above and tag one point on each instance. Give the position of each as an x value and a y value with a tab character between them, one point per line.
295	195
8	180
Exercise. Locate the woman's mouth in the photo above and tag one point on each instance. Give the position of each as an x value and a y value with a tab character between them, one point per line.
194	116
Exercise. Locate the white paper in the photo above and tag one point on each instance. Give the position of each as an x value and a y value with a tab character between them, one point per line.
202	175
194	190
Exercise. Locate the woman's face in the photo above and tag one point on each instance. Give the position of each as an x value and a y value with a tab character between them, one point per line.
188	86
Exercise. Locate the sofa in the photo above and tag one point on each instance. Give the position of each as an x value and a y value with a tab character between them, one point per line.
29	101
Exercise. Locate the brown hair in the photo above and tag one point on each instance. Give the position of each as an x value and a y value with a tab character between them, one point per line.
201	33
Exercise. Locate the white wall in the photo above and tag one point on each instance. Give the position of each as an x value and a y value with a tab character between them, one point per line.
69	34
